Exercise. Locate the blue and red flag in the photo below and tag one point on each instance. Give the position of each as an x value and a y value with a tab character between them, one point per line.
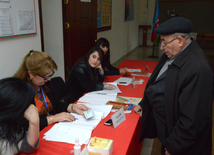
155	38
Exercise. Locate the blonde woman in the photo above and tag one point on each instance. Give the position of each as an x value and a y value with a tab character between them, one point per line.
53	105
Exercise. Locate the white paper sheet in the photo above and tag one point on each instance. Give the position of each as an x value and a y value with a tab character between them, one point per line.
68	134
115	90
97	98
106	109
133	70
68	131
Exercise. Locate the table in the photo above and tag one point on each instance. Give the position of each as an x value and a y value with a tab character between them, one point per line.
125	136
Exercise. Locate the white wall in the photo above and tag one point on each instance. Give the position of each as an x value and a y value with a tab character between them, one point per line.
53	32
124	35
147	8
13	50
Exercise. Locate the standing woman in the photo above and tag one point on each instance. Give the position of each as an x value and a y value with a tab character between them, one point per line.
103	43
37	69
16	134
87	75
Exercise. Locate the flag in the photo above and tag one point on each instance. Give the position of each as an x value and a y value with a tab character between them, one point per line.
155	38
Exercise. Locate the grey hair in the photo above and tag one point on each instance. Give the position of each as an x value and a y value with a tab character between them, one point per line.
184	35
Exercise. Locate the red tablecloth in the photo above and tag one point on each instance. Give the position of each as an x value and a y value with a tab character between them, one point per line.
125	136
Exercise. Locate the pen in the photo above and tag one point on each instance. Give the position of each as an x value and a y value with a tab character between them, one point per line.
122	82
102	93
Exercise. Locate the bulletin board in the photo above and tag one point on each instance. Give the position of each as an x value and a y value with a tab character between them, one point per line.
17	18
104	11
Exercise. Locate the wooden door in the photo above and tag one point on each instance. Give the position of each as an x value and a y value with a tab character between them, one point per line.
80	29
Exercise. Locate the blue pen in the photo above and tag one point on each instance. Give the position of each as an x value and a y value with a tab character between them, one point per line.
130	107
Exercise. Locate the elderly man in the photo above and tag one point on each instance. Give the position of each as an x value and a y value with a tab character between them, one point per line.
177	103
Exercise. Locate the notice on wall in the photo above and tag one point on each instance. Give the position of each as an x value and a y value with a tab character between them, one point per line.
25	20
5	22
17	18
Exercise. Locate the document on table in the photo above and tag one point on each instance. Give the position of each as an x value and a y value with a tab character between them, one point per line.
69	131
123	81
68	134
97	98
106	109
133	70
115	90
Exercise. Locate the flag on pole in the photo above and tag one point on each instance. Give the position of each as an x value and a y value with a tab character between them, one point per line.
155	38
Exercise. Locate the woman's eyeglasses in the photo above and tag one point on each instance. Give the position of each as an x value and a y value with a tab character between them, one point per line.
48	76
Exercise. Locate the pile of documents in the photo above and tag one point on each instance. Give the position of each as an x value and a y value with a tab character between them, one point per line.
68	131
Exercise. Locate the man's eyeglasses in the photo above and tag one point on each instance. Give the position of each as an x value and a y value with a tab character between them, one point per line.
48	76
166	43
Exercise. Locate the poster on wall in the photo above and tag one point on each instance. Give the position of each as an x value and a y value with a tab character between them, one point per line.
103	15
129	10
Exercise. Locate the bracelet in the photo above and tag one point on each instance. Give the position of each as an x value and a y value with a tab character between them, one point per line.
72	108
51	119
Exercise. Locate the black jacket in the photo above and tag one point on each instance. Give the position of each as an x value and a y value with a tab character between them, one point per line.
111	70
82	79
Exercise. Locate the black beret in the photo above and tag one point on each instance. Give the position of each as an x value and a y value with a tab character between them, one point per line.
174	25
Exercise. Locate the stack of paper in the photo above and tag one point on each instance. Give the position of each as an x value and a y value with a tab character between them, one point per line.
69	131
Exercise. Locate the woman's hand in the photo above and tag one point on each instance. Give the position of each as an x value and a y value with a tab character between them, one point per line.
110	86
99	67
123	71
138	110
60	117
166	152
80	108
32	115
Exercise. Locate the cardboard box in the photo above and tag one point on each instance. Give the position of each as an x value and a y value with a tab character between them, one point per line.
100	146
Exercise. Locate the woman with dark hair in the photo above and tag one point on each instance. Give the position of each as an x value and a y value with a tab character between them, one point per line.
87	75
103	43
50	98
16	134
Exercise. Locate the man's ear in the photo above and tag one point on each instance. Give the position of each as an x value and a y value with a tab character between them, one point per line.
181	40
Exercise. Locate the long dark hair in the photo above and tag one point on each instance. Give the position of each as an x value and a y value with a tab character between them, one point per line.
93	71
104	43
15	97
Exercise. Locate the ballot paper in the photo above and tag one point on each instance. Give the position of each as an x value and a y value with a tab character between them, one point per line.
105	109
97	98
105	91
68	134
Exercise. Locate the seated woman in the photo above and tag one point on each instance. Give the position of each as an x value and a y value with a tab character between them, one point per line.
103	43
87	75
19	119
37	69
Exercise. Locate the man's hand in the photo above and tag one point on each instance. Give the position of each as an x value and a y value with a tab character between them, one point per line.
138	110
